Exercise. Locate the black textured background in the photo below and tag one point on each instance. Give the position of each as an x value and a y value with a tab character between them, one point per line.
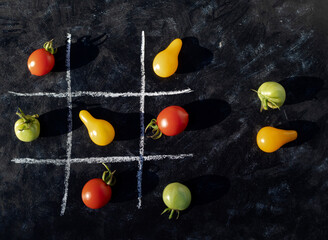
230	47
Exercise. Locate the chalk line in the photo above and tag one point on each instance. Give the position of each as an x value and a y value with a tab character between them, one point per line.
70	124
39	94
101	94
104	94
129	94
113	159
286	115
58	162
172	157
154	94
142	119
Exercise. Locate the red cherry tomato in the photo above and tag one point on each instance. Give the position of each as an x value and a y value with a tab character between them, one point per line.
42	60
96	193
170	121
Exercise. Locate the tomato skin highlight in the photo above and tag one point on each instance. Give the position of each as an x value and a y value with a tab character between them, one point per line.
96	193
172	120
40	62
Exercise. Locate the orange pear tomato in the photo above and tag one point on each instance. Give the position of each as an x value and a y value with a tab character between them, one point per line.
270	139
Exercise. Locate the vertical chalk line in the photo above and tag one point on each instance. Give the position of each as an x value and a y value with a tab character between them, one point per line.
142	118
286	115
70	124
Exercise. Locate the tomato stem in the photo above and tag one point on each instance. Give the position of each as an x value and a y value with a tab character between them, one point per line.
21	115
49	48
106	167
27	120
178	214
108	176
171	212
266	101
165	210
154	129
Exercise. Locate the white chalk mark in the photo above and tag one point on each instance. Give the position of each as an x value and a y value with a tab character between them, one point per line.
64	200
154	94
113	159
39	94
260	55
161	157
129	94
105	94
92	160
286	115
142	119
58	162
101	94
70	126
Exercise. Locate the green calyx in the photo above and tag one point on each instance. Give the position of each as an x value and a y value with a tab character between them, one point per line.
154	129
266	101
171	212
49	48
108	176
27	120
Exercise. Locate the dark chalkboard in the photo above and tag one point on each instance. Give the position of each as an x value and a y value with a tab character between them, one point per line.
104	65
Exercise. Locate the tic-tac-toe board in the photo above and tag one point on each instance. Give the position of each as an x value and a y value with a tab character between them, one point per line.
69	94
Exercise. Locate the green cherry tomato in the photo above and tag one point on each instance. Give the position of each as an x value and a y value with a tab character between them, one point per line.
177	197
27	128
271	94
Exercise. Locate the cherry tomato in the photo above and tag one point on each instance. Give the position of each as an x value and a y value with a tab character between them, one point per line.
27	128
100	131
272	95
166	62
270	139
42	60
177	197
170	121
97	192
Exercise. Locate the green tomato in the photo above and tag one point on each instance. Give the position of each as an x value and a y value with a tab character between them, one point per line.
27	128
177	197
272	95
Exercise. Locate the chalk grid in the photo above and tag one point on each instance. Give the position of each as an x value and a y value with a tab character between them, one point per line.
69	95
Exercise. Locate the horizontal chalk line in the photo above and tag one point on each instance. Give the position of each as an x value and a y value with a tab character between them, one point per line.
114	159
101	94
160	157
39	94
